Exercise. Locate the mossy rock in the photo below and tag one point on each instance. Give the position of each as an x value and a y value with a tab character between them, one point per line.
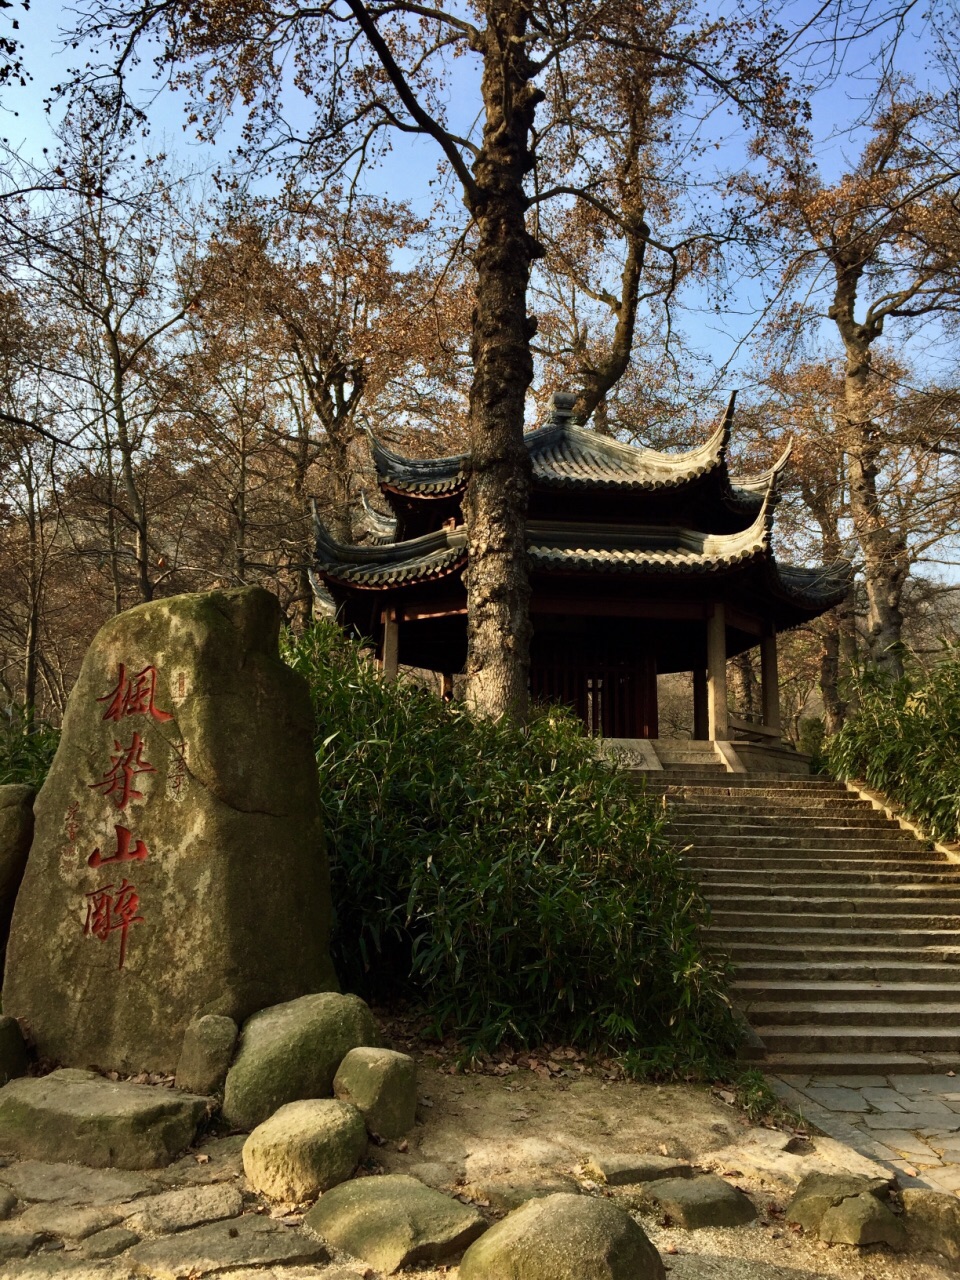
177	867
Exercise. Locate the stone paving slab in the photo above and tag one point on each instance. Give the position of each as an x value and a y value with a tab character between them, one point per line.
910	1123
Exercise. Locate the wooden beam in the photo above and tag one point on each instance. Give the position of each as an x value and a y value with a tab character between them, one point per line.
747	622
618	607
421	612
717	713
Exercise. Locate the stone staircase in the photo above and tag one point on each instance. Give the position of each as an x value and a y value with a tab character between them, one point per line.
843	928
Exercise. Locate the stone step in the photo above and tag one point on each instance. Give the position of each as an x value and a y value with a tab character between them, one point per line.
727	800
743	947
881	905
859	1064
836	848
933	897
711	838
731	938
879	1015
906	880
854	1038
730	895
925	862
774	824
721	783
843	914
843	927
822	974
762	992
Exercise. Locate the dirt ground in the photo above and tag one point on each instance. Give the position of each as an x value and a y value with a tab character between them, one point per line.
490	1136
481	1133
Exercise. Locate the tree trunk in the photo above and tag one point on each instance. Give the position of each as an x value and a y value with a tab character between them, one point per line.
495	505
885	562
745	687
834	708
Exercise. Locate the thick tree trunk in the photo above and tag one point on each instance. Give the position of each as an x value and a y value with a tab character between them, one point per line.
834	708
498	588
885	562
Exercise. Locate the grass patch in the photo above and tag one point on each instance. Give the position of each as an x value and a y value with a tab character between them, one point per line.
26	752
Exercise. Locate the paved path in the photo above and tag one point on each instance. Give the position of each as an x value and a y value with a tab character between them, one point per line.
909	1122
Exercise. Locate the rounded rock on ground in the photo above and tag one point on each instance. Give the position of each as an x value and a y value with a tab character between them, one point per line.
862	1220
564	1237
705	1201
819	1192
394	1221
305	1148
932	1220
291	1051
208	1045
382	1085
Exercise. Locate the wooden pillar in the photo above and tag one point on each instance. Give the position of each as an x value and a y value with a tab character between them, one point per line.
770	681
701	721
390	654
717	725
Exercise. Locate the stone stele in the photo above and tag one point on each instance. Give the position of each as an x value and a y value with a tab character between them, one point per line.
177	867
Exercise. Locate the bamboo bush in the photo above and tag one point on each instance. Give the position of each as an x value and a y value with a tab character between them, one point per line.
503	875
904	740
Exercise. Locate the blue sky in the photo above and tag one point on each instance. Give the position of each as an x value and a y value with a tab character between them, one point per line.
406	172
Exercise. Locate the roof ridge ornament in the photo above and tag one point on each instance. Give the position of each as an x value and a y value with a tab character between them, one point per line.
561	411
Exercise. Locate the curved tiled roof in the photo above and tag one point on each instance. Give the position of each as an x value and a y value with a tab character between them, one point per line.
655	552
566	456
382	528
417	560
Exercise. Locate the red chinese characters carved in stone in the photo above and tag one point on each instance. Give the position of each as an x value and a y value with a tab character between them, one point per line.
139	853
109	910
125	764
134	696
71	820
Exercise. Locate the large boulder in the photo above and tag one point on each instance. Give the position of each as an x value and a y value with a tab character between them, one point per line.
77	1115
382	1085
177	867
292	1051
304	1148
16	833
564	1237
395	1221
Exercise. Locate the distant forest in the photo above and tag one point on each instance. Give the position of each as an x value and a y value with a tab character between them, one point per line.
187	363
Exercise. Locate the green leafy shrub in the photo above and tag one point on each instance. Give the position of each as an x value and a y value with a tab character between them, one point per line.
25	756
516	884
903	742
